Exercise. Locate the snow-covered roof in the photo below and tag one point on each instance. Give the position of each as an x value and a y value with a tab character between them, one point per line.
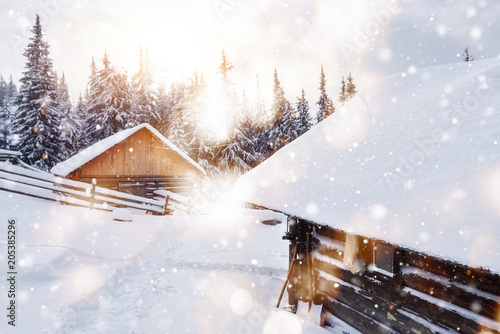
81	158
413	160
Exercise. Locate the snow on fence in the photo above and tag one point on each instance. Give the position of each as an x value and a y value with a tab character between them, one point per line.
50	187
174	202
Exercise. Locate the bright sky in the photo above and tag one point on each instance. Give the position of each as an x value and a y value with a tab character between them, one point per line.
369	38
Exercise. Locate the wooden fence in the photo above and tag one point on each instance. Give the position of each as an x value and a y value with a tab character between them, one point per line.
47	186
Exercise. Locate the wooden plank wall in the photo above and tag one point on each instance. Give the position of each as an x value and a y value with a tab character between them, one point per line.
426	294
141	154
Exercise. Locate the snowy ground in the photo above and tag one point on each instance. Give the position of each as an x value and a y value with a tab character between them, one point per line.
81	272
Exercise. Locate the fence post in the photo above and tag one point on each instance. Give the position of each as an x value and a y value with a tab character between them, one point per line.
166	205
92	194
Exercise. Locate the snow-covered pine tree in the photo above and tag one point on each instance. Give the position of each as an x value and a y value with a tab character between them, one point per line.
261	127
69	123
238	154
4	114
144	98
169	104
466	56
7	110
3	89
343	93
116	99
36	122
282	110
323	98
80	116
329	108
303	116
350	87
162	108
12	91
92	108
224	68
182	125
201	141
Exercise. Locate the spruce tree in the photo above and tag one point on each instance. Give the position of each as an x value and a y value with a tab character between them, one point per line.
323	98
80	117
92	108
4	114
261	127
182	125
69	123
303	116
280	122
466	56
169	105
238	153
115	96
144	99
224	68
343	93
36	122
329	108
7	111
350	87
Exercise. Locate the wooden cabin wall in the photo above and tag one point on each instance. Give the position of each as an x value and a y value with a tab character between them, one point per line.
141	154
425	295
139	165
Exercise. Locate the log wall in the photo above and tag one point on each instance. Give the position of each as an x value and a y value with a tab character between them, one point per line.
424	295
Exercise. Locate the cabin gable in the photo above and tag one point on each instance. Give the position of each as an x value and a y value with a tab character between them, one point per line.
141	154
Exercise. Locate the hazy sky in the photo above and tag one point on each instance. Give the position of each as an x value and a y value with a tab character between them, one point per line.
369	38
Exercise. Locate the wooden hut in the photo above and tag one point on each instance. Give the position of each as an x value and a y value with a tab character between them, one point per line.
393	205
138	160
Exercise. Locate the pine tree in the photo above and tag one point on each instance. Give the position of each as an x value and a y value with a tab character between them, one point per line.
93	106
80	117
36	122
4	114
144	99
7	110
226	99
343	93
329	108
466	56
303	116
12	91
350	87
224	68
282	111
169	105
69	123
238	153
323	97
261	127
115	96
182	125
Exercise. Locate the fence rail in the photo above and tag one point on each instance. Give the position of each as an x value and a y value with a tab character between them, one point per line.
50	187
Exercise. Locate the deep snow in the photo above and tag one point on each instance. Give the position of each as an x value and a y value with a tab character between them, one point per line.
415	161
82	272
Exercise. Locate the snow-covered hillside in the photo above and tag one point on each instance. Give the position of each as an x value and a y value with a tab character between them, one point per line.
414	161
81	272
